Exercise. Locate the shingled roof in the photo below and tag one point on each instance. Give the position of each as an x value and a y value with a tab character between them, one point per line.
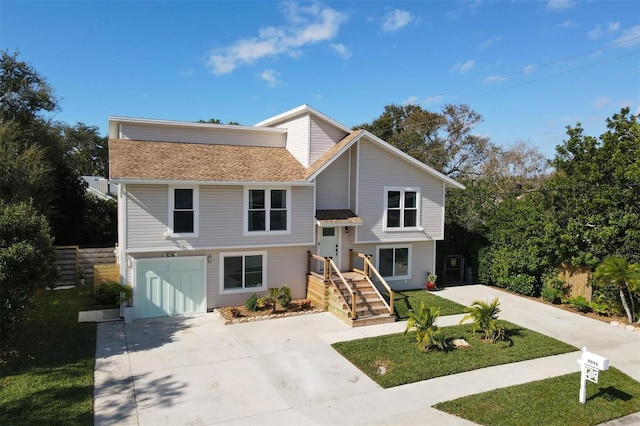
142	160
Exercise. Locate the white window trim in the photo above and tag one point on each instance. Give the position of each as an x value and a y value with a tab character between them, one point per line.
245	208
243	254
402	190
196	211
395	246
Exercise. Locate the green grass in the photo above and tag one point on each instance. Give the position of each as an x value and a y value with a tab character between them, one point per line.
405	363
551	402
47	377
411	299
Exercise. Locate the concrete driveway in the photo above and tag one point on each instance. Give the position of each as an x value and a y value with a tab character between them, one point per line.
196	371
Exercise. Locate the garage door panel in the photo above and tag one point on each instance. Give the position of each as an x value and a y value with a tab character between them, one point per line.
170	287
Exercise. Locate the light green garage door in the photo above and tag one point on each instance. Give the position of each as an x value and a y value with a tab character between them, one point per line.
166	287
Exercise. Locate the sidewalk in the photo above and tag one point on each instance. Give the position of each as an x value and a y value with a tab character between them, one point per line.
194	370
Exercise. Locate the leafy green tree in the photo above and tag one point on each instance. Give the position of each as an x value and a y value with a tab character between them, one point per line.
595	192
626	278
485	319
428	335
27	261
86	152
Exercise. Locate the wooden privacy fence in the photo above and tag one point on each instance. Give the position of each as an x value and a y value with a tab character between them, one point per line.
72	259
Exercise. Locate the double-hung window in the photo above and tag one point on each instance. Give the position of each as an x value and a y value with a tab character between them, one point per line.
243	271
394	262
402	208
267	210
183	211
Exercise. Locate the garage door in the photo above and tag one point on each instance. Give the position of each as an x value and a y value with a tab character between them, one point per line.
166	287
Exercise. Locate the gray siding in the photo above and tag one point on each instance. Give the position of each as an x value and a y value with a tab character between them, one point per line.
221	219
323	137
379	168
210	135
285	266
332	185
298	138
422	262
353	178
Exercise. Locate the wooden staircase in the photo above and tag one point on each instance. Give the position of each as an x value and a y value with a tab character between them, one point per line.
370	308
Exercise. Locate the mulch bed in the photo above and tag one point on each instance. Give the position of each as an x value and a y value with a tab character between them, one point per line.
230	313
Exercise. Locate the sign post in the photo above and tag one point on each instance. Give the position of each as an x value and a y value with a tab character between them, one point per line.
590	365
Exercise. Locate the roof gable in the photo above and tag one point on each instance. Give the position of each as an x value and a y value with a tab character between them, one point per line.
302	110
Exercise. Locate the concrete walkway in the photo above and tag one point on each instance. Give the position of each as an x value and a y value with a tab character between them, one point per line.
196	371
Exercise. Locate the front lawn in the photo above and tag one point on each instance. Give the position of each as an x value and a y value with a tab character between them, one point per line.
47	377
404	363
551	401
411	299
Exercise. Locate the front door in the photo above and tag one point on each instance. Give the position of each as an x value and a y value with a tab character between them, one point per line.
328	244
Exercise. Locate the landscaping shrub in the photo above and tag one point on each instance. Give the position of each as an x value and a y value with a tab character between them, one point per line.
427	333
109	293
485	319
276	296
252	303
580	303
553	287
523	284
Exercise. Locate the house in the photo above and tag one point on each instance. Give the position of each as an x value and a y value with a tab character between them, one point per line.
209	213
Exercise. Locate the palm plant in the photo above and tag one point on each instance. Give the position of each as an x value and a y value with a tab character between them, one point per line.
624	276
276	296
427	333
485	319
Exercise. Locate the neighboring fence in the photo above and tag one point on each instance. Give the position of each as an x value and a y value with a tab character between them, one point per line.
577	278
72	259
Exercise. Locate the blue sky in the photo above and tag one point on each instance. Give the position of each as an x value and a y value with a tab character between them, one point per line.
529	67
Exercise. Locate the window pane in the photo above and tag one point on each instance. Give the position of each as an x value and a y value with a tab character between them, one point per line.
253	271
183	198
401	261
393	199
409	200
385	262
278	199
328	232
233	272
393	218
256	199
410	217
182	222
278	220
257	220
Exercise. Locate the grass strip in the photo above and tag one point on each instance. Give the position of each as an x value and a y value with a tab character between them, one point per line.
551	401
411	299
405	363
47	377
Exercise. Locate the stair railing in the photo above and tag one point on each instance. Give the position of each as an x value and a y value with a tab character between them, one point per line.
333	268
370	269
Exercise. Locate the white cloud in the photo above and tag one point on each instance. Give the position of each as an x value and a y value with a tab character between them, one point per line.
600	102
602	30
494	79
271	77
614	26
316	95
462	68
341	49
529	69
412	100
630	37
308	24
489	42
430	100
186	72
567	24
559	4
396	20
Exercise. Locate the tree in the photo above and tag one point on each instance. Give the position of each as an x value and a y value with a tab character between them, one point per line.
485	319
427	333
27	260
85	150
595	192
443	140
625	276
24	93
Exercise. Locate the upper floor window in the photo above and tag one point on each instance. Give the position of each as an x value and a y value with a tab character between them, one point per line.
401	208
267	210
183	211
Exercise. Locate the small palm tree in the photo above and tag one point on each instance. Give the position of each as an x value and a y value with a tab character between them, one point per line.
277	296
427	333
485	319
624	276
